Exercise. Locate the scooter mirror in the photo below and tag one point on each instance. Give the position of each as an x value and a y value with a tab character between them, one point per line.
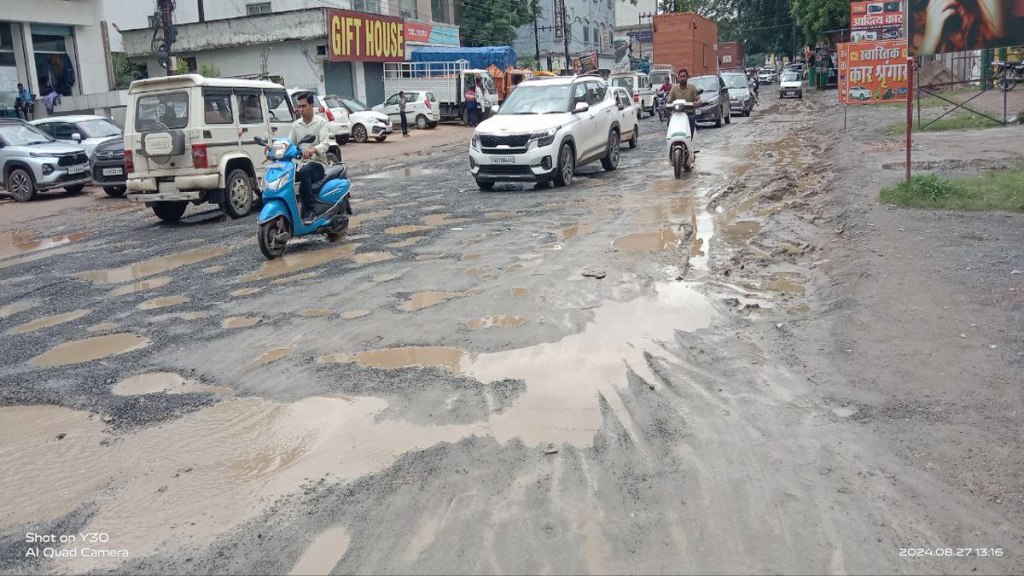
308	139
260	140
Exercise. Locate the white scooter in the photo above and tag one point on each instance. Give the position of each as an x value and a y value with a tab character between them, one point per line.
680	138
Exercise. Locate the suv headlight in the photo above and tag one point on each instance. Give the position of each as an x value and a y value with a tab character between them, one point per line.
713	102
545	138
476	141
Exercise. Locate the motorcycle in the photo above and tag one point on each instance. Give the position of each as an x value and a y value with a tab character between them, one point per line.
279	220
659	103
680	138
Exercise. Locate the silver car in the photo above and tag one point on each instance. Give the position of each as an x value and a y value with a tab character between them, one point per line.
31	161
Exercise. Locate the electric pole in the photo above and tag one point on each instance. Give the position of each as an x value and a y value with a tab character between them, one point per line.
640	29
565	34
536	37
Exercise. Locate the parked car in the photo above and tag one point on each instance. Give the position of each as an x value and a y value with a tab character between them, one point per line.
860	93
741	100
108	169
190	139
767	75
31	161
640	90
88	131
714	100
791	85
628	117
338	123
421	109
545	131
366	123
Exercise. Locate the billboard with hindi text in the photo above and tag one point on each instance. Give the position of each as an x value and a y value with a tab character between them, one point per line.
872	72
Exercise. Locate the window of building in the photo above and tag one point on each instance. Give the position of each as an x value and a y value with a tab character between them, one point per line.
55	70
597	39
586	34
441	11
257	8
6	45
371	6
408	9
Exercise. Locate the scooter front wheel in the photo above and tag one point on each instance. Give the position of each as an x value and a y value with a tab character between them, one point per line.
677	162
273	237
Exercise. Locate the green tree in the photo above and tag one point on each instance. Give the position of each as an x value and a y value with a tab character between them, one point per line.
494	22
815	17
209	70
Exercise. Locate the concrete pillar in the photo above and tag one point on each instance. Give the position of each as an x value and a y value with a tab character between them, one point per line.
359	81
30	60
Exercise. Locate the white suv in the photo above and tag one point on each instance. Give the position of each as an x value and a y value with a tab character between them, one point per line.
545	130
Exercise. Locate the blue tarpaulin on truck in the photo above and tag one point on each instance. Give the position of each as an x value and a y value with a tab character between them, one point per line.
501	56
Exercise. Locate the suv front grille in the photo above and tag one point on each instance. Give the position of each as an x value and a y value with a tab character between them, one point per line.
72	159
506	169
519	141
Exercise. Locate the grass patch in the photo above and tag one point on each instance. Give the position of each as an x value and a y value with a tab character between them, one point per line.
951	122
994	190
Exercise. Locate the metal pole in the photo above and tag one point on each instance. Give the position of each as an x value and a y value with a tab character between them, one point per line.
536	38
639	29
910	112
565	36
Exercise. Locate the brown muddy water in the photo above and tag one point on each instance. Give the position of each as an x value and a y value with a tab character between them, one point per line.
163	302
142	286
495	321
23	242
240	322
422	300
665	239
47	321
151	267
163	382
89	349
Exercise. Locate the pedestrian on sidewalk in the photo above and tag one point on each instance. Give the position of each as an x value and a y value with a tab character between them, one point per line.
401	112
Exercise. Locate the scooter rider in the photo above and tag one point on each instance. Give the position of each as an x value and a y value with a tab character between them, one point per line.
684	91
313	155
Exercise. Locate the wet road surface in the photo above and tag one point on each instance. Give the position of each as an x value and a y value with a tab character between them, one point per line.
524	380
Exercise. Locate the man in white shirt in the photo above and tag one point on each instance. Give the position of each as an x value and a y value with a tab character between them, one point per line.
313	155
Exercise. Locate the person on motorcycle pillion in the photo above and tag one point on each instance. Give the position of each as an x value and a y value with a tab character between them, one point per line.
684	91
313	155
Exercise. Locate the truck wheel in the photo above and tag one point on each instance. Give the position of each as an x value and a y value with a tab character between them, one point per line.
169	211
421	122
611	156
115	191
566	165
238	201
21	185
359	133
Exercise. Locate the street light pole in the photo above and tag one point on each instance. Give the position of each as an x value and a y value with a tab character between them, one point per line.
565	34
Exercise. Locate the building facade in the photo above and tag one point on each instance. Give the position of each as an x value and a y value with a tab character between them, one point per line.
57	46
296	47
591	25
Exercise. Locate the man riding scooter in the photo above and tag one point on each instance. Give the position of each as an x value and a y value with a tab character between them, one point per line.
313	155
684	91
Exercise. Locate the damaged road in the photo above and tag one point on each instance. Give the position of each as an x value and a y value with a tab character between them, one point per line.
632	374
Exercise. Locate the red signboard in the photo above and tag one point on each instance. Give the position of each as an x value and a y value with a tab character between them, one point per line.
417	31
872	72
361	37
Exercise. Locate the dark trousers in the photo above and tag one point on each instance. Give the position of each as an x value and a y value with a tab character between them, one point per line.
307	175
405	122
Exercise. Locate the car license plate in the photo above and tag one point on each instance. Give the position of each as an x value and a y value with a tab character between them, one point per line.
112	172
77	169
503	159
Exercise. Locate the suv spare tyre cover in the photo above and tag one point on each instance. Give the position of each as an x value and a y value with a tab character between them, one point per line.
163	143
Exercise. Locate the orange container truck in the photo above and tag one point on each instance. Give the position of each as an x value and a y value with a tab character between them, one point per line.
686	40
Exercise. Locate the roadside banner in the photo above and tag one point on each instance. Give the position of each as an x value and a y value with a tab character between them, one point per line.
964	25
362	37
876	21
872	72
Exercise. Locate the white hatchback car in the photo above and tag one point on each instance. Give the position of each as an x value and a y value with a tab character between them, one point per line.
421	109
628	116
87	131
791	85
366	123
338	121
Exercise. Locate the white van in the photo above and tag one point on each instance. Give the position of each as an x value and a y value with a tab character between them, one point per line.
639	85
190	139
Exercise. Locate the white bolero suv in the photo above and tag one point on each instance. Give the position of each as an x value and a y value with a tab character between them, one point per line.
546	129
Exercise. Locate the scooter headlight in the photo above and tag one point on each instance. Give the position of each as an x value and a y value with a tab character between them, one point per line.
274	184
278	150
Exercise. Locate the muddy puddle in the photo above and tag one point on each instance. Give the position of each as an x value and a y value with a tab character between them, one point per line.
740	232
244	292
407	229
187	316
358	219
429	257
165	383
381	278
151	267
212	269
294	278
235	322
317	312
163	302
364	258
142	286
102	327
575	231
497	215
784	282
353	314
24	242
448	358
47	321
519	292
323	554
271	356
495	322
435	220
293	262
471	257
407	242
400	173
90	349
665	239
422	300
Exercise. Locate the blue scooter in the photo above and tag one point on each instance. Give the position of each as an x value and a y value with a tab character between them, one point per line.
279	219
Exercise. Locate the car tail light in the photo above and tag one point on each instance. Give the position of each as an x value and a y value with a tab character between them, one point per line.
129	162
199	159
328	113
426	103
